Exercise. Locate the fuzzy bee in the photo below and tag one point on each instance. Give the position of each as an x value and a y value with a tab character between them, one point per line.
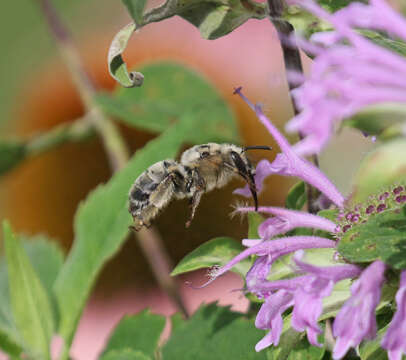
202	168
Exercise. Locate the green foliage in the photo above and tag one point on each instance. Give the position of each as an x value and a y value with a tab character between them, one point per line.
126	354
173	93
372	350
382	237
383	120
213	18
383	40
46	259
140	332
30	305
117	67
304	351
296	197
282	268
136	9
216	333
381	168
11	153
217	251
254	220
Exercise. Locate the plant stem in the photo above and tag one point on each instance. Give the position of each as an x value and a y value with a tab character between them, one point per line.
160	262
113	143
149	239
293	62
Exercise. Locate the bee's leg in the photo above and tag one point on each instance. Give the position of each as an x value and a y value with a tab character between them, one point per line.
199	189
194	203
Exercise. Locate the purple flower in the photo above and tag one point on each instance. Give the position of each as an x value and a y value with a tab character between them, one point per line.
273	249
395	338
305	293
308	297
270	318
345	77
288	163
356	319
285	220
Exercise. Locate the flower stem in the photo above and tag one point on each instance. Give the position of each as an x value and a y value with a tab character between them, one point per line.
293	62
118	154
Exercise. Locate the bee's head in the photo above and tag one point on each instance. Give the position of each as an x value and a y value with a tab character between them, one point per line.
245	169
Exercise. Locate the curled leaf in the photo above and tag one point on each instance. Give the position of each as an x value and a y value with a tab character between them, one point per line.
117	66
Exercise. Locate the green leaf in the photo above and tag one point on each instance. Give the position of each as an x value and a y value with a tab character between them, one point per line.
213	18
382	237
46	258
11	153
139	332
30	304
372	350
304	351
101	225
117	67
381	168
296	197
254	220
173	93
383	120
381	39
217	251
214	333
126	354
282	268
136	10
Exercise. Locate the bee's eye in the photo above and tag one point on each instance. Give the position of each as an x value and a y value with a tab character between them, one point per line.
239	163
235	156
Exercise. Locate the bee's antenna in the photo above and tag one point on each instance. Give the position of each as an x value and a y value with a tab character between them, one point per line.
256	147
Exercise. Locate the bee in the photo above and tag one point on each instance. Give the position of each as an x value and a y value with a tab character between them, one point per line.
201	169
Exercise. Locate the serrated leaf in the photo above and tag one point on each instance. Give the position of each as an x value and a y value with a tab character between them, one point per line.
384	166
214	333
382	237
296	197
101	225
30	304
136	10
11	153
117	67
254	220
126	354
173	92
217	251
139	332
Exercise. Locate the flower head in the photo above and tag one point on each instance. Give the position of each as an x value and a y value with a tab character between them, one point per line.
345	77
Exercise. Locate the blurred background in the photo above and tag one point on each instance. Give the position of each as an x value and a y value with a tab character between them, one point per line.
41	195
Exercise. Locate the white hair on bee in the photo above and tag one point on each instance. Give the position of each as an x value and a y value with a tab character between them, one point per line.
240	214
